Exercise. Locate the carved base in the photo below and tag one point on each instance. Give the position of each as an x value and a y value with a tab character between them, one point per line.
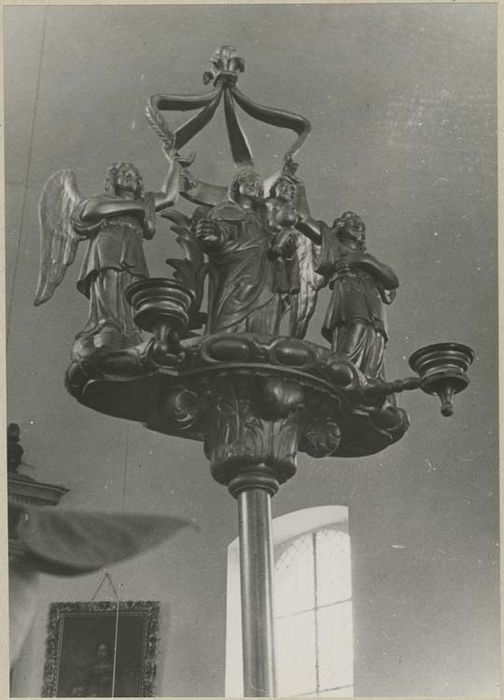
253	422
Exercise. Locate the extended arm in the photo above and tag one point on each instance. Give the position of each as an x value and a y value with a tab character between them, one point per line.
205	193
104	206
96	208
170	188
310	228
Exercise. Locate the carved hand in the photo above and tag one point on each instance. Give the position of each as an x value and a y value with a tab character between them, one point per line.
283	246
208	234
388	295
187	181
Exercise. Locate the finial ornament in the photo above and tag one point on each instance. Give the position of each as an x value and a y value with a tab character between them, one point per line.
225	65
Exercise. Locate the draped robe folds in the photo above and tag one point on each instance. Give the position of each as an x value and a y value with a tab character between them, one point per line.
355	321
114	260
281	218
244	290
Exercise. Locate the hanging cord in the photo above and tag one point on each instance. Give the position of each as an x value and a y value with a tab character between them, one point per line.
125	468
28	172
105	578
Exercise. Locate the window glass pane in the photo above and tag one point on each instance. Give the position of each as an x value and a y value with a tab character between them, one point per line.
337	693
295	603
333	566
335	646
295	643
294	579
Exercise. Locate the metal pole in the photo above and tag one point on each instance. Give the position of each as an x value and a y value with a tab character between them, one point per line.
256	575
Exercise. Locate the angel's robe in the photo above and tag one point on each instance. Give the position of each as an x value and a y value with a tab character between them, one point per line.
355	321
244	291
281	219
114	260
114	243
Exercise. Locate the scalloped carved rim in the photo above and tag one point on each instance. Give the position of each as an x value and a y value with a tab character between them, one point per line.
137	387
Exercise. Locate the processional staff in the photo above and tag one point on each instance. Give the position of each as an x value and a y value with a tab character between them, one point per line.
226	375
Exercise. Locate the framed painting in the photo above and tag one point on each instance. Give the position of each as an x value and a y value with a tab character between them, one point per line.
100	649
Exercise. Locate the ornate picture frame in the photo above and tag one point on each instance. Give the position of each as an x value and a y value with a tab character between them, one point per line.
101	649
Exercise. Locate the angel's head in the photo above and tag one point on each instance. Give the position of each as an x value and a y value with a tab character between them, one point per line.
246	184
284	188
124	178
349	227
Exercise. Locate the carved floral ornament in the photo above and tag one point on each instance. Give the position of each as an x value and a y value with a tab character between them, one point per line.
229	374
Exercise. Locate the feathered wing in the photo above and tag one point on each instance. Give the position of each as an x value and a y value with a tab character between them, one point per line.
58	240
303	303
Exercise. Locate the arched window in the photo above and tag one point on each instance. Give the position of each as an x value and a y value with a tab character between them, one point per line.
313	605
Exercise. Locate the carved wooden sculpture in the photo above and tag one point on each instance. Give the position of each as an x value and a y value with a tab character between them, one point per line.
114	224
253	393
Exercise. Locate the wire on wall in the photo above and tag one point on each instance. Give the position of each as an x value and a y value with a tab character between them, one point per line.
107	579
28	171
125	469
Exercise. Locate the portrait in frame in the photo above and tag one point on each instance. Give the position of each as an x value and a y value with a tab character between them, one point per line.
101	649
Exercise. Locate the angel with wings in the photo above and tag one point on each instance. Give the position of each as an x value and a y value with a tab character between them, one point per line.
114	225
355	321
294	252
